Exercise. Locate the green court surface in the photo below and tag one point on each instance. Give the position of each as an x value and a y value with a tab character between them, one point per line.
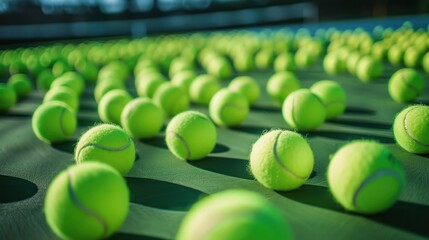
163	188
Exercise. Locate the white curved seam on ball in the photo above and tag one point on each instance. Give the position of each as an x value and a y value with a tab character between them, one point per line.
370	179
105	148
410	85
409	133
61	122
188	150
82	207
279	162
292	111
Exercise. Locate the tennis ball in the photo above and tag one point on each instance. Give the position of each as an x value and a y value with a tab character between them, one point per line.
352	61
203	88
112	104
178	65
413	57
332	95
148	84
191	135
172	99
234	215
72	80
395	55
86	201
228	108
54	122
411	129
365	177
219	67
244	62
304	110
247	86
104	87
281	84
281	160
405	85
142	118
21	84
378	51
60	67
63	94
45	79
7	97
333	63
264	59
284	62
184	79
109	144
369	69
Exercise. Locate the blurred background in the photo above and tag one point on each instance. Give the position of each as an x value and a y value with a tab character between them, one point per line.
47	20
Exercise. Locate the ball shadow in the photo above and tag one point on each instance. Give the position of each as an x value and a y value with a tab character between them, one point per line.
347	136
361	123
88	106
359	110
16	114
257	130
163	195
259	108
84	121
67	146
130	236
16	189
407	216
233	167
159	142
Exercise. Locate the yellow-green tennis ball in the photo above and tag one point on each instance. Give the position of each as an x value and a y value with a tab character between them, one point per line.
303	58
378	51
107	143
332	95
112	104
247	86
406	85
281	84
304	110
333	63
369	69
45	79
63	94
413	57
86	201
411	129
352	61
365	177
54	122
281	160
234	215
425	62
178	65
142	118
172	99
228	108
72	80
184	79
284	62
203	88
191	135
106	86
21	84
244	62
7	97
395	55
264	59
220	68
147	85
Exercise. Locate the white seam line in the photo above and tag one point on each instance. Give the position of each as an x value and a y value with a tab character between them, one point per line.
375	176
282	166
188	151
104	148
82	207
408	131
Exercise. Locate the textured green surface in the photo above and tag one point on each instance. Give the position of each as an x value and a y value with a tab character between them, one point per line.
163	188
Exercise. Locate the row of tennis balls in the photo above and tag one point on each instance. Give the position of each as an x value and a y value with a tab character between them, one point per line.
280	160
18	86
